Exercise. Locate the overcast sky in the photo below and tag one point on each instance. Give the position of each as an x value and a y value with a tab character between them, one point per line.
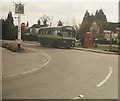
65	10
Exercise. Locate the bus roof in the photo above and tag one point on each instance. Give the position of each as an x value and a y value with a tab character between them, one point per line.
58	27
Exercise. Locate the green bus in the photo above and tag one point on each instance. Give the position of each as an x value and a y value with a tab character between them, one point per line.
61	36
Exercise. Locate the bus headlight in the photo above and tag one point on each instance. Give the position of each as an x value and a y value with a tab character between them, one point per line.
73	41
64	41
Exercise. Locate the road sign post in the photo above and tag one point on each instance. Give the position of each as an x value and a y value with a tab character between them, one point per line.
19	9
19	32
111	41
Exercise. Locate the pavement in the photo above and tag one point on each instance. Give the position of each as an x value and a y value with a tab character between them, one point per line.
96	51
19	63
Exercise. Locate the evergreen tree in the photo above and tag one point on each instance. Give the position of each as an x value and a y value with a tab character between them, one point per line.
99	15
99	18
10	20
87	16
92	17
9	28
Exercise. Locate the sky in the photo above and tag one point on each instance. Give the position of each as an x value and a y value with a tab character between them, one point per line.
68	11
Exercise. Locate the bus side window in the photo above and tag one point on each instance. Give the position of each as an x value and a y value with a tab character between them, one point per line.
49	32
55	33
46	32
70	33
40	32
59	33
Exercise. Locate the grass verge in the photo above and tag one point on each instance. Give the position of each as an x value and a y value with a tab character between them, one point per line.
105	47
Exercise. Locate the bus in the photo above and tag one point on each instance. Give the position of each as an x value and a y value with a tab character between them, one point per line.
61	36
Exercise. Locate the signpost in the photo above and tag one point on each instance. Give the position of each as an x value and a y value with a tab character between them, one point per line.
110	40
19	9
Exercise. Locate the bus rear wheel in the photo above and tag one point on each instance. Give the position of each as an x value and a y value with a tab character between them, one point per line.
67	47
42	44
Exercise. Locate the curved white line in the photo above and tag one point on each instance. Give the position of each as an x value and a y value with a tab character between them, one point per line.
107	77
30	71
79	97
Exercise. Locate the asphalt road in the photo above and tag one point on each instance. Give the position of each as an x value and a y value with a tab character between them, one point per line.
70	73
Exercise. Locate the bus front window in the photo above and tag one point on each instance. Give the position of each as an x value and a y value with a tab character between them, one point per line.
67	33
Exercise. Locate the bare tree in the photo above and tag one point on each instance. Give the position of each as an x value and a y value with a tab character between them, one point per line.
73	22
67	22
51	20
45	19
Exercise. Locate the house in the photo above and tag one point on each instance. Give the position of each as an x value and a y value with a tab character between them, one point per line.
33	30
112	26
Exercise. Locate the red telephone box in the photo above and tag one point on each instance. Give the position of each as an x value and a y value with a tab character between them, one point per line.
88	40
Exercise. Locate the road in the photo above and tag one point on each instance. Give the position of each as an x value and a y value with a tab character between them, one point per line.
70	73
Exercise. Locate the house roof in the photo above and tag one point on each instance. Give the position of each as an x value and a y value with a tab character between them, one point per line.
112	26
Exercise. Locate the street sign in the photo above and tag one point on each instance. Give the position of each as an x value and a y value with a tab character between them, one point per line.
19	8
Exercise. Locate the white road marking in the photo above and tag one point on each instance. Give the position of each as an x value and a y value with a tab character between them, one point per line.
107	77
79	97
30	71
